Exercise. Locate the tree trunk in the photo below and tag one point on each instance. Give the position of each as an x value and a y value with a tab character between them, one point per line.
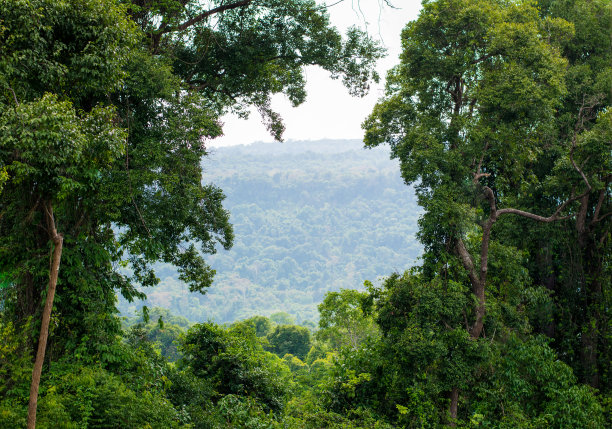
592	317
58	241
453	405
478	283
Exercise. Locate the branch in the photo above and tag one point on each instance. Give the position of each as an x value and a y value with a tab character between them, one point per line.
578	169
604	216
486	235
466	260
208	13
600	200
14	95
478	174
555	216
51	228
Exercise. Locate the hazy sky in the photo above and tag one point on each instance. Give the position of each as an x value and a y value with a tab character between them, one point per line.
329	112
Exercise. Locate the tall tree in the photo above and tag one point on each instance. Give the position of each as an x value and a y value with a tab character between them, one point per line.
473	112
53	156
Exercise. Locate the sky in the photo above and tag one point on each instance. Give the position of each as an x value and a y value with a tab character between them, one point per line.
329	111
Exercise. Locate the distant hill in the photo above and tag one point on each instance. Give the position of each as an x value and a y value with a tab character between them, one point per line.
309	217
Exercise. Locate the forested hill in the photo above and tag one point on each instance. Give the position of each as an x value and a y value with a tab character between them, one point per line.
309	217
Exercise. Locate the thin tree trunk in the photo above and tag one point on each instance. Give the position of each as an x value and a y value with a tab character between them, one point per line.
58	241
453	405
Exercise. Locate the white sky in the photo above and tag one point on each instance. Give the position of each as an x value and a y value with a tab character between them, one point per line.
329	112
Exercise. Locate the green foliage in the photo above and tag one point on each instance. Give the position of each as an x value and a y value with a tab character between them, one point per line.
476	79
262	325
238	411
163	329
235	363
94	398
15	361
282	318
530	387
290	339
512	379
244	55
77	49
489	113
104	110
342	320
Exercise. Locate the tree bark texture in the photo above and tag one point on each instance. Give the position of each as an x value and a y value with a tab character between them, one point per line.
58	241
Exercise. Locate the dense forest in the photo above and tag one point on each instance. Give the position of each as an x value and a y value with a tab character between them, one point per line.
499	117
308	218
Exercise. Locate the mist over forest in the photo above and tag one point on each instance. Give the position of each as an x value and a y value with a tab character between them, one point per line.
309	217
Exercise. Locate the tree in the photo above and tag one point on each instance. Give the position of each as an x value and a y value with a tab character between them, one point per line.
473	112
53	155
569	256
262	325
290	339
513	378
342	320
282	318
235	363
104	110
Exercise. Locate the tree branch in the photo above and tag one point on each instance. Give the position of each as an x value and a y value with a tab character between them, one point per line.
14	96
202	16
539	218
486	235
554	217
478	174
477	287
600	200
466	260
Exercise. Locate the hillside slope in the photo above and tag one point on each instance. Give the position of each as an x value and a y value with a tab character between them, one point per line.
309	217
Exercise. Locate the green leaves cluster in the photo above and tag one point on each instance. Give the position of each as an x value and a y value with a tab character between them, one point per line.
512	378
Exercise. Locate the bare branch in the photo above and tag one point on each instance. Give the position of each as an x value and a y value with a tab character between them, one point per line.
480	175
605	216
202	16
518	212
578	169
554	217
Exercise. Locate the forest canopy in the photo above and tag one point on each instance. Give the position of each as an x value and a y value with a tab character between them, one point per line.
499	113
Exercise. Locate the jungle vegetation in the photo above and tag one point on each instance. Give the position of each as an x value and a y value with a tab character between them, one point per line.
499	116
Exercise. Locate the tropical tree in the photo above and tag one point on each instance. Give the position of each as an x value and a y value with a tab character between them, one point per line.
290	339
475	114
342	321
